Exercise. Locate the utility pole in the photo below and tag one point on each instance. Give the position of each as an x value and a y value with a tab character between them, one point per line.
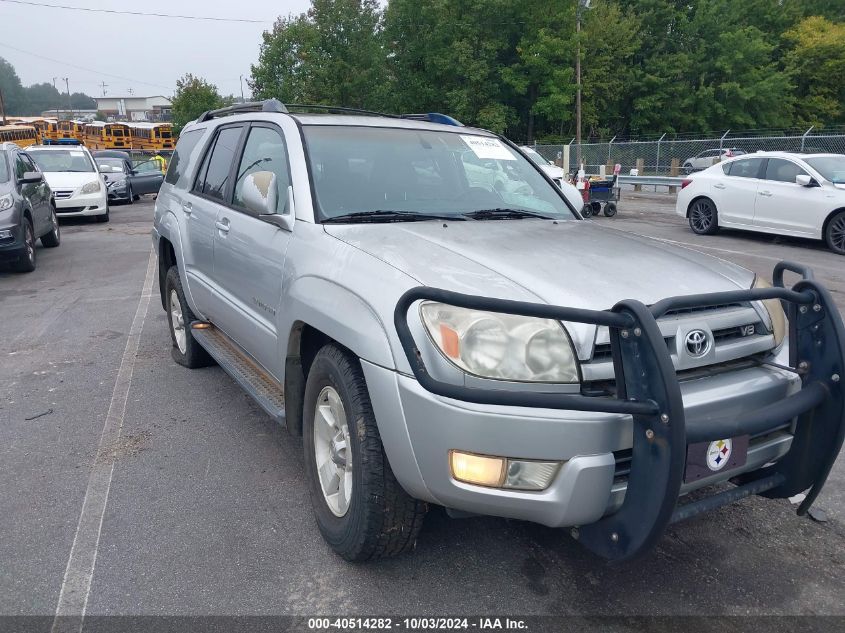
104	85
69	105
582	4
2	109
57	99
242	89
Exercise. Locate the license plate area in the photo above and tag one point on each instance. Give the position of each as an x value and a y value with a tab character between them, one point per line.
705	459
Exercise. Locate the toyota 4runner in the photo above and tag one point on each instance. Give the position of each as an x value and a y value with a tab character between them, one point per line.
438	335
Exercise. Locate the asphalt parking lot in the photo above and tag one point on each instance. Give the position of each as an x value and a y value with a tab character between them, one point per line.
207	509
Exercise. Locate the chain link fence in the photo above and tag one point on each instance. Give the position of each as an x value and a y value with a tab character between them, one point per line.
677	156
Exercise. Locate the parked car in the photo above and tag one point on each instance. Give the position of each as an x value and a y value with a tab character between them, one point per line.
26	210
126	183
78	187
437	339
802	195
709	157
556	174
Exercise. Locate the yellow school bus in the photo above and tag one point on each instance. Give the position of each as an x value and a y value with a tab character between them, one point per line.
50	131
21	135
39	123
72	130
152	136
100	135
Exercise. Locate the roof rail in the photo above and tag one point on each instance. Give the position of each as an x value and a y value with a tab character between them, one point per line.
433	117
341	109
270	105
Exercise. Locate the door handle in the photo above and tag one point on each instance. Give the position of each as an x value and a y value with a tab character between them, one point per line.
768	194
187	208
223	226
718	185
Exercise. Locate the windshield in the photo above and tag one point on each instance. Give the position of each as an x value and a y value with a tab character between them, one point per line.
110	165
51	160
535	156
4	167
366	169
831	168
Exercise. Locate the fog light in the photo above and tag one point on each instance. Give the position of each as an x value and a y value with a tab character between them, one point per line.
5	235
524	475
477	469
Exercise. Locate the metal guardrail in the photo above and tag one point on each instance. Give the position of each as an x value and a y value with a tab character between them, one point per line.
666	181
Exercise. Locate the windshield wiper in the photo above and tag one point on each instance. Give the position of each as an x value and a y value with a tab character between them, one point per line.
505	214
387	216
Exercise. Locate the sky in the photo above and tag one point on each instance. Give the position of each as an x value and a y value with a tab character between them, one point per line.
144	54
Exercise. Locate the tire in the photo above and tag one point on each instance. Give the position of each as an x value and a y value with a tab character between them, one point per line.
186	351
130	196
703	217
688	169
103	218
379	519
587	211
610	209
834	233
54	237
27	262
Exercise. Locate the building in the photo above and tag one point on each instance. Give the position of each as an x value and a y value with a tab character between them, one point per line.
70	115
155	108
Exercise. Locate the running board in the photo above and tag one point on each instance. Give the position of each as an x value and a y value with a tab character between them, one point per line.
254	379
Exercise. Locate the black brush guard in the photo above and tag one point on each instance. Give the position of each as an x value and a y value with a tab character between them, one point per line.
648	390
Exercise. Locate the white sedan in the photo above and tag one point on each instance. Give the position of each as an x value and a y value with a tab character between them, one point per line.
802	195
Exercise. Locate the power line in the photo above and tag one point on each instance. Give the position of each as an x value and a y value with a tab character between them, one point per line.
137	13
90	70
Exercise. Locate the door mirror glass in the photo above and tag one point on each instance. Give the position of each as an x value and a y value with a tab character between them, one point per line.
260	193
804	180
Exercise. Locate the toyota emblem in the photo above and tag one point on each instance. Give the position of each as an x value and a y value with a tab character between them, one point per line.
698	343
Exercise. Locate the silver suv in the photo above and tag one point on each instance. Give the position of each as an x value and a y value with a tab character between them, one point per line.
437	335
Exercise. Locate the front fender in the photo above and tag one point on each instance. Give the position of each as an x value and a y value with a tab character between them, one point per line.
168	228
340	314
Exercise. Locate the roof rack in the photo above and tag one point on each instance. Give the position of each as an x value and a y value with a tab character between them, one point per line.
433	117
341	109
270	105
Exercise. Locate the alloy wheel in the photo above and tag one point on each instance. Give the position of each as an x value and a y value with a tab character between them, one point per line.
177	322
836	232
701	216
332	451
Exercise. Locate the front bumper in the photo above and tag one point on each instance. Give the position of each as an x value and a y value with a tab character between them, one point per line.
12	248
83	205
119	193
794	415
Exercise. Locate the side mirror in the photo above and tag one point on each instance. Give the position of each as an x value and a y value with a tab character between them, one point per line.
260	193
805	181
31	177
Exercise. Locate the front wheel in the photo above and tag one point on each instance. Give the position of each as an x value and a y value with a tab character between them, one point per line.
361	510
688	169
26	264
703	217
834	235
130	196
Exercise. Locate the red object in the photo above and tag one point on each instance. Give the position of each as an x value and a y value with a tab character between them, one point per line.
728	154
685	182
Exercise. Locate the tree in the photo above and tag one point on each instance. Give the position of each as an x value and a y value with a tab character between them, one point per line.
816	62
81	101
13	94
330	55
43	97
194	95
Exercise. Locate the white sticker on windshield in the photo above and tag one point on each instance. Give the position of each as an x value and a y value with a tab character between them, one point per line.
486	147
77	154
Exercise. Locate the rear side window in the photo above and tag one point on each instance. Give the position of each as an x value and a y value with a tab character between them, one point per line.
213	179
179	161
746	168
783	170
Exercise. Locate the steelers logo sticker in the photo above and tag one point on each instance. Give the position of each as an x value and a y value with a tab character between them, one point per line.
718	454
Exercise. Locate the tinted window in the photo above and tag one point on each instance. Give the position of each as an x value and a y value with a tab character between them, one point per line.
216	176
179	161
783	170
746	168
264	151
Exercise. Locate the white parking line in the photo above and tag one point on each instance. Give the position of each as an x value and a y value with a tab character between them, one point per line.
73	598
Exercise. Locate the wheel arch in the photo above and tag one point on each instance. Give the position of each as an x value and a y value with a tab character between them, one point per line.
701	196
166	259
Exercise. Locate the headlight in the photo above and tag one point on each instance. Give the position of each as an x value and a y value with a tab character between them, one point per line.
91	187
6	202
116	184
501	346
775	310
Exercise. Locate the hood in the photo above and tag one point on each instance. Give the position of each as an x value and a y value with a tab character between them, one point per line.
553	171
571	263
69	179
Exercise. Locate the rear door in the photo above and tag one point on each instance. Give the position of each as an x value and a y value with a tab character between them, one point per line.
211	187
249	252
787	207
734	190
